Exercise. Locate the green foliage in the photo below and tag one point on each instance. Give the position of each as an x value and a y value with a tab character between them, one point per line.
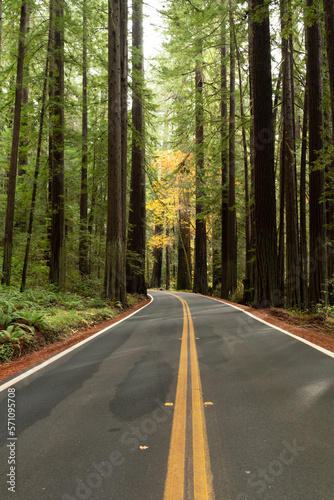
51	313
6	319
7	352
16	334
238	295
34	319
62	321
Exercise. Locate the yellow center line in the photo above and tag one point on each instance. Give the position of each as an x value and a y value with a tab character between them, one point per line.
202	476
203	488
174	488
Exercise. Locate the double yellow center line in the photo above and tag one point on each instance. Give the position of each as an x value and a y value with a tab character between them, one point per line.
188	399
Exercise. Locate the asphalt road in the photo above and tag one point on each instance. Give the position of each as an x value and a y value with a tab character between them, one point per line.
188	398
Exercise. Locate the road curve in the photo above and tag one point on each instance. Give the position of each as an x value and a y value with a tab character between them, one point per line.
252	407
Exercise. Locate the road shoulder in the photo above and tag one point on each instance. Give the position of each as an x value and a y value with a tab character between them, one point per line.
21	364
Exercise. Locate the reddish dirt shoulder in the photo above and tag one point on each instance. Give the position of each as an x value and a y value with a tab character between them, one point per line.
312	331
36	357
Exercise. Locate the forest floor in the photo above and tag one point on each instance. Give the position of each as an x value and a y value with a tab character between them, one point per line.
29	359
313	328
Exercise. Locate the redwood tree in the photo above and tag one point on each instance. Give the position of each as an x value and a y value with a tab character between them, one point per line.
293	297
115	276
200	284
266	290
224	165
83	239
9	227
232	220
316	144
57	188
329	24
124	112
157	260
136	233
184	249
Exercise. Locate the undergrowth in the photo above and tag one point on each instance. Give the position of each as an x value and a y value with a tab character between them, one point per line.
38	316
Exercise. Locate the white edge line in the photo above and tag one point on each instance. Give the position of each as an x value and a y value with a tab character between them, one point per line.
301	339
26	374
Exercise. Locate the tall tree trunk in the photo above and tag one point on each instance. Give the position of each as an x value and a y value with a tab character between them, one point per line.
57	250
115	285
266	289
232	222
184	251
51	95
83	236
329	24
251	262
317	176
24	135
157	261
293	298
302	188
216	253
224	165
124	117
9	227
200	272
136	235
92	212
281	227
246	173
37	165
167	260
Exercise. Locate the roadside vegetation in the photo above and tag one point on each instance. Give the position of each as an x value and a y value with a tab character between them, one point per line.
39	316
319	317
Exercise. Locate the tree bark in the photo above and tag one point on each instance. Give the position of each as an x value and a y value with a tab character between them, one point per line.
9	227
136	234
124	118
200	284
24	134
115	284
302	188
184	251
224	166
329	25
51	95
318	265
246	173
292	288
57	236
232	221
157	261
167	260
281	216
216	252
83	235
266	289
249	289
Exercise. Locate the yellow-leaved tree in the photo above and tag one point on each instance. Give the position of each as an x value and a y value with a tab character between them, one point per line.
170	218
